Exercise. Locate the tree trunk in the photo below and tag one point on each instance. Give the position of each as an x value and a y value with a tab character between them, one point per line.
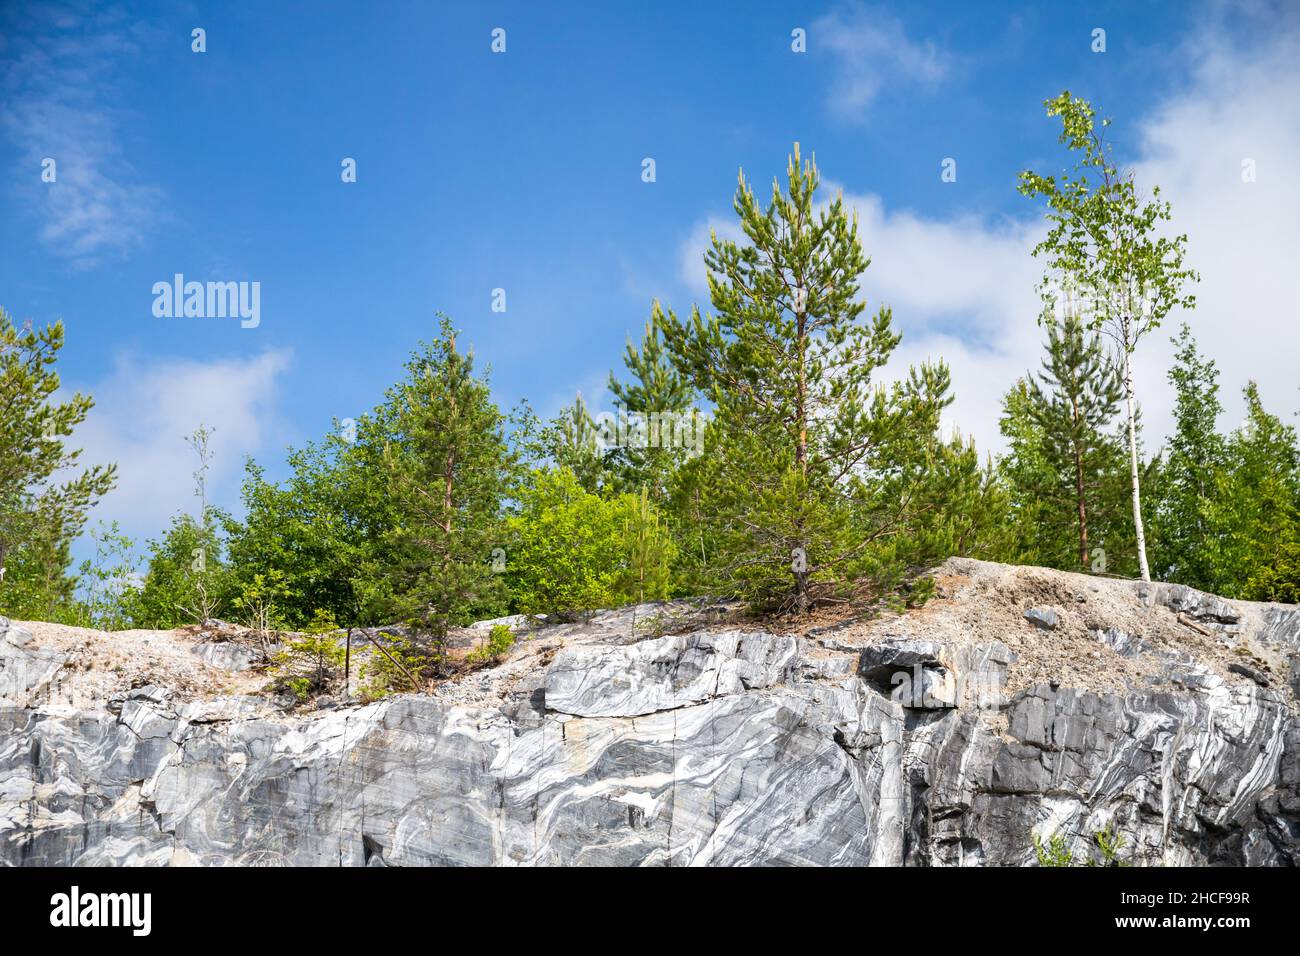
347	667
446	491
451	449
1079	503
1133	466
801	600
1082	507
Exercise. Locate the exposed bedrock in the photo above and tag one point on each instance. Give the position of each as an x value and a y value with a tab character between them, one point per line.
726	745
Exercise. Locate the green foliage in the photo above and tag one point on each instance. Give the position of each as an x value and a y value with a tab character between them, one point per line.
1280	580
308	665
573	551
1186	540
1227	507
321	530
258	602
448	480
1105	242
107	582
45	495
1255	512
1109	842
1024	468
647	547
951	506
816	481
1056	852
1066	473
187	580
805	458
500	640
402	665
572	441
655	392
394	517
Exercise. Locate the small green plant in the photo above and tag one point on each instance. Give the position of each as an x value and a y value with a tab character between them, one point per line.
404	667
308	665
1109	842
654	625
1054	852
500	640
258	602
258	605
920	592
108	581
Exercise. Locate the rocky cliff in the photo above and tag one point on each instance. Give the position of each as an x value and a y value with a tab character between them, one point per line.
1018	703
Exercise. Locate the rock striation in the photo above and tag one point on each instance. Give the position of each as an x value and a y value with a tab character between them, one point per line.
951	735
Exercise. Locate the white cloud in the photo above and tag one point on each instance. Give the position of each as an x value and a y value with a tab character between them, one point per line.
1244	103
937	272
143	410
58	82
697	244
963	288
870	50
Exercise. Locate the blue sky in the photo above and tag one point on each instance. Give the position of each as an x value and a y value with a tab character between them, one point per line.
522	171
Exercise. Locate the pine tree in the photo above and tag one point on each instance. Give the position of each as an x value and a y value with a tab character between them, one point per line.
40	515
1280	579
1073	400
956	507
1064	470
801	445
1034	527
1256	509
449	476
1104	244
573	441
1191	471
649	548
661	400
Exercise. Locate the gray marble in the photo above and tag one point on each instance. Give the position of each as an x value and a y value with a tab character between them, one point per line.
228	655
25	671
736	747
663	673
1042	617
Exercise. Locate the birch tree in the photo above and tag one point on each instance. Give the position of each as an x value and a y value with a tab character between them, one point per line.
1106	244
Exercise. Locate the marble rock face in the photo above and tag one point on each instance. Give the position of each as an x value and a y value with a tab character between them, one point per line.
25	671
714	747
